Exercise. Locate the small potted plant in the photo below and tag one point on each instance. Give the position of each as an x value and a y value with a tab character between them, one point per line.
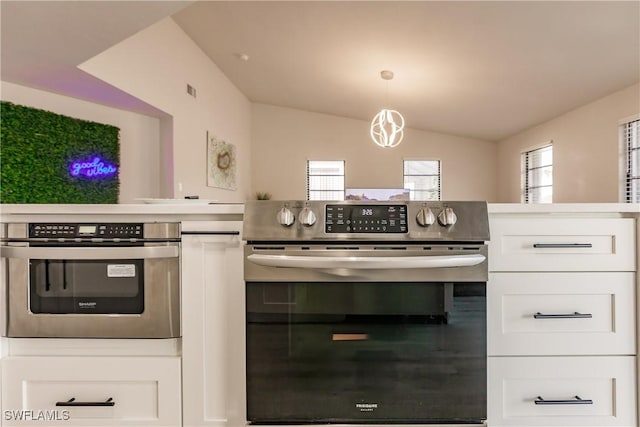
260	195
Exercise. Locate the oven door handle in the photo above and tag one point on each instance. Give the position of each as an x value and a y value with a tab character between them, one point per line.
92	253
367	263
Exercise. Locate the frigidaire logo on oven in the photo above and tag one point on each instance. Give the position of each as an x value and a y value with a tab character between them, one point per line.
366	407
88	304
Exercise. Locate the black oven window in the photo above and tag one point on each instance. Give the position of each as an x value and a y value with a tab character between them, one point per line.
394	353
87	286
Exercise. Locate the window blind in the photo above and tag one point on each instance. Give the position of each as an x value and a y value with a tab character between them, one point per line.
537	170
325	180
422	179
631	138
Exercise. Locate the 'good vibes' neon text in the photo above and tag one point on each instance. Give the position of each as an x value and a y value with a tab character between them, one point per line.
95	168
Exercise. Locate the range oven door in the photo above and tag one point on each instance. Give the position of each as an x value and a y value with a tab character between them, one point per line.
366	344
93	291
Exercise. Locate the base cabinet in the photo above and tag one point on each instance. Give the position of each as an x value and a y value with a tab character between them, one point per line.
213	340
91	391
561	327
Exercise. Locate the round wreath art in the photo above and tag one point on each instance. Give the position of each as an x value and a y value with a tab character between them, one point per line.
221	164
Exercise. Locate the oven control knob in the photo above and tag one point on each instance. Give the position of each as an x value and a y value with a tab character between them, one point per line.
286	217
425	217
307	217
447	217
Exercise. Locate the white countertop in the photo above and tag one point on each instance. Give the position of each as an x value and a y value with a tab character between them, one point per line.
234	211
564	208
124	212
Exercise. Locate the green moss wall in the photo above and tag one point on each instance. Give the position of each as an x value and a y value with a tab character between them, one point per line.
38	149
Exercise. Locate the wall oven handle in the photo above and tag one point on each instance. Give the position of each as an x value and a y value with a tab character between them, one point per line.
129	252
362	263
73	402
575	401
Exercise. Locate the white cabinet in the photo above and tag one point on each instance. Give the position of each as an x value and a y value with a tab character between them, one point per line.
213	343
91	391
561	321
562	391
561	314
562	244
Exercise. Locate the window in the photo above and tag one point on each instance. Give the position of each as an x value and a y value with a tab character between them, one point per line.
537	175
422	179
325	179
631	147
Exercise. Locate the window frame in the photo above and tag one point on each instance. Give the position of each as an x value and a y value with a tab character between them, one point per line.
344	177
422	159
524	173
626	196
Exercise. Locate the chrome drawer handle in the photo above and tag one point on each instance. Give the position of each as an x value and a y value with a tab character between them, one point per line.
576	401
574	315
72	402
562	245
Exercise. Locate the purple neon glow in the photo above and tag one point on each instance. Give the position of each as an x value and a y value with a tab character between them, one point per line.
92	168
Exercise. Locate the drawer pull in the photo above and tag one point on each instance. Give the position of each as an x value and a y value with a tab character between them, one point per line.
562	245
72	402
576	401
574	315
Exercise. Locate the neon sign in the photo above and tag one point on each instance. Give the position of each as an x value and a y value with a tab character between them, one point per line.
92	168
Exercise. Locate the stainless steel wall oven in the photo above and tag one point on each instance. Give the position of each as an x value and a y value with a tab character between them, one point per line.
366	312
98	280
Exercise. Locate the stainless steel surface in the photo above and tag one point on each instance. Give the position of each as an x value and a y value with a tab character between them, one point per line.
389	261
366	263
76	253
262	218
161	315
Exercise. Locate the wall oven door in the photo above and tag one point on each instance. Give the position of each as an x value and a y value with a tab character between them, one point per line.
107	288
366	334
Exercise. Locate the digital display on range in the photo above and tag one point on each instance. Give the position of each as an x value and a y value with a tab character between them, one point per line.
86	229
366	219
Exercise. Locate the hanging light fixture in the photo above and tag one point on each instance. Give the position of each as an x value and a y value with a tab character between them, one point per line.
387	127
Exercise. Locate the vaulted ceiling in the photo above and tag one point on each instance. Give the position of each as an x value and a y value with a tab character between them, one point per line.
479	69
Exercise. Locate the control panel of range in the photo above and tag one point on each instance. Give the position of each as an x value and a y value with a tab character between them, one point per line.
366	219
73	231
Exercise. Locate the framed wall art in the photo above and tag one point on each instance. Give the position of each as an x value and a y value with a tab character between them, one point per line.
221	163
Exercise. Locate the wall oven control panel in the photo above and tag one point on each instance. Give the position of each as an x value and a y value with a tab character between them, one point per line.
366	218
102	230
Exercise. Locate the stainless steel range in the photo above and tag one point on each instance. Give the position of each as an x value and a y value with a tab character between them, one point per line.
366	312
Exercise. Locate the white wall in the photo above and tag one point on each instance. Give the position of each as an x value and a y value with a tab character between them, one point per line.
139	136
284	139
155	65
585	151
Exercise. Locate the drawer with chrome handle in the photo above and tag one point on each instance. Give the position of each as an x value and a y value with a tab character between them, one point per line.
562	391
562	244
94	391
561	314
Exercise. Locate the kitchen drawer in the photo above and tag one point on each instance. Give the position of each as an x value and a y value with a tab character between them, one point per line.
541	391
122	391
562	244
561	314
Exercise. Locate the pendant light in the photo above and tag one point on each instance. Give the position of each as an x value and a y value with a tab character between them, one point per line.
387	127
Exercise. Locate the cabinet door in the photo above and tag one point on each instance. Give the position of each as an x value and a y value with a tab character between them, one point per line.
561	314
562	391
213	366
562	244
91	391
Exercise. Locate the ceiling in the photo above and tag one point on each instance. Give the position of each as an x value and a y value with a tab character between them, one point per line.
478	69
43	42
